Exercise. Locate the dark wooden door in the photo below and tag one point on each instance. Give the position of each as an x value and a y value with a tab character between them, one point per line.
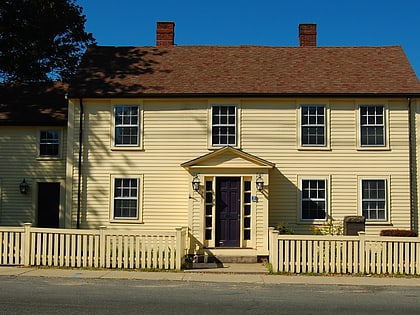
228	201
48	205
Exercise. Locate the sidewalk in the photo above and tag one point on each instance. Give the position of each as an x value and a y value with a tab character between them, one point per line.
233	273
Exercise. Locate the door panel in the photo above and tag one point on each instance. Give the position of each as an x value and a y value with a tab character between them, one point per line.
228	200
48	205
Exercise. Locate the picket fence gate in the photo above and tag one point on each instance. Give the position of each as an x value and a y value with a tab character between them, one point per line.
31	246
344	254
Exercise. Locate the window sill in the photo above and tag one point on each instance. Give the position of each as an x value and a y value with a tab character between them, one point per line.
314	148
214	148
127	149
311	222
49	158
373	149
125	221
378	223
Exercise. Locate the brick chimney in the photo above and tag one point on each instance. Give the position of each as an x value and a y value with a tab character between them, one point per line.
165	34
307	34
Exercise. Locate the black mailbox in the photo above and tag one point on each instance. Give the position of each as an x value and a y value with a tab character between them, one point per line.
354	224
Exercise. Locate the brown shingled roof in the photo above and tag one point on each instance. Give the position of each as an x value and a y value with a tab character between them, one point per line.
244	70
33	104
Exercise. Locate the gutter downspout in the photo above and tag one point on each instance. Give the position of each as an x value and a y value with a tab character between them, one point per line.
413	166
79	183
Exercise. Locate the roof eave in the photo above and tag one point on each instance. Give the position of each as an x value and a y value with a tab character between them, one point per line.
251	95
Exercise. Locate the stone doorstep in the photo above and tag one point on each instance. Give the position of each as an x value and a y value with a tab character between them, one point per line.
229	268
208	262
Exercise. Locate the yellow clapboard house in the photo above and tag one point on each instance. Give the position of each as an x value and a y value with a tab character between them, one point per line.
230	140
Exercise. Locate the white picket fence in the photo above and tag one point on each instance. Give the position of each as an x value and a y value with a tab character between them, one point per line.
344	254
31	246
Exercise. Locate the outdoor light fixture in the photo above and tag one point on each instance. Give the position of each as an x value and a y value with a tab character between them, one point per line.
23	187
260	182
196	183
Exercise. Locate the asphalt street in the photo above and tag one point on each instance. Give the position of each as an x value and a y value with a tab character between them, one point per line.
77	295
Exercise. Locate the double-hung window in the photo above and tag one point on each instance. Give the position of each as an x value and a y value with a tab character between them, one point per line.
313	125
372	125
224	125
374	199
49	143
313	199
127	125
126	198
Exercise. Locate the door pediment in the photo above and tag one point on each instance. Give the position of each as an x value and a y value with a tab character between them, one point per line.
228	157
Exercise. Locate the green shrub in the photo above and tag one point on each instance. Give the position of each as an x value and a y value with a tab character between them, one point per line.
283	228
328	228
397	232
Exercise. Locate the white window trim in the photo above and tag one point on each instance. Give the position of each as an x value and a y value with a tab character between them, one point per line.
359	145
138	146
387	180
60	144
139	218
327	129
210	124
327	180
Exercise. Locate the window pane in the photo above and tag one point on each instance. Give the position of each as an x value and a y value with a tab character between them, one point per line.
49	143
125	198
208	234
209	209
313	203
208	222
374	199
126	125
247	185
209	185
209	197
372	132
223	125
125	208
313	210
247	210
313	125
247	197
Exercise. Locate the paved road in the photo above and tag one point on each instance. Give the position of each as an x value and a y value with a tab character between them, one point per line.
40	295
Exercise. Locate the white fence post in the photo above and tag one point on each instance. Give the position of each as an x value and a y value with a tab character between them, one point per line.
26	248
102	246
273	247
362	251
180	245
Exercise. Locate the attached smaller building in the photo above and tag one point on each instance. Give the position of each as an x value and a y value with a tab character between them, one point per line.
33	152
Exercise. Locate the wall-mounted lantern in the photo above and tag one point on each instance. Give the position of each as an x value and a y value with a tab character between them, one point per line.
260	182
196	183
23	187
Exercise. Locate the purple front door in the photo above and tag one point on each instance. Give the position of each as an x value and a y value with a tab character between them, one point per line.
228	201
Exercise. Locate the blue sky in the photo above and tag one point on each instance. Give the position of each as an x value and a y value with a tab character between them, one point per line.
258	22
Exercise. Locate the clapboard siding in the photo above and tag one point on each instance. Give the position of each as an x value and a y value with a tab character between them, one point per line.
19	159
270	130
166	184
176	131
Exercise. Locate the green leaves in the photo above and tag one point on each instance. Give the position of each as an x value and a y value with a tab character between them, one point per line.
41	40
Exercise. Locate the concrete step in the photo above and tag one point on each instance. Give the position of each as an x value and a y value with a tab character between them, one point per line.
220	259
229	268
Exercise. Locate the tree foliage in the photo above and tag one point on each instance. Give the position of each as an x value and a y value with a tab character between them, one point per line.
41	40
